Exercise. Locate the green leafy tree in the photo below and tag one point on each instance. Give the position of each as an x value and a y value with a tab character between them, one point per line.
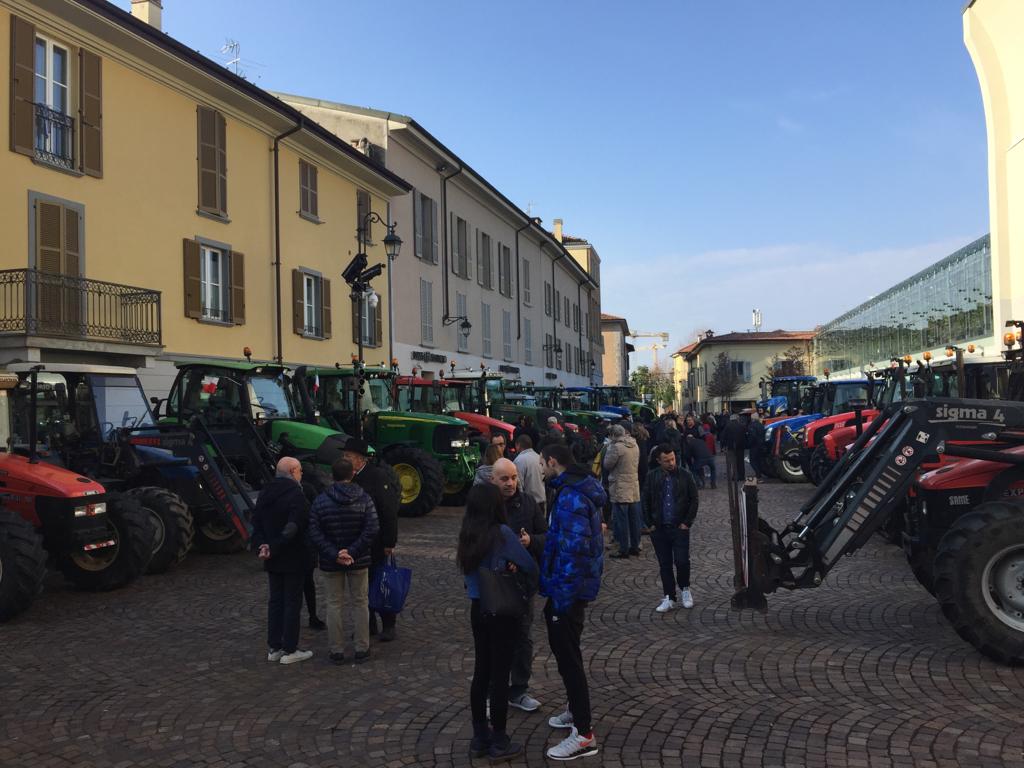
652	385
724	382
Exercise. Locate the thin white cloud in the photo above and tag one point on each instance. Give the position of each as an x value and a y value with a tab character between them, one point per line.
788	125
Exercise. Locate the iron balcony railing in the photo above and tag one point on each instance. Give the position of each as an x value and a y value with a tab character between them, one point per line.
38	303
55	137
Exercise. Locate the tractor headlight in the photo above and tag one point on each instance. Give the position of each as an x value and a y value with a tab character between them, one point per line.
924	508
89	510
460	443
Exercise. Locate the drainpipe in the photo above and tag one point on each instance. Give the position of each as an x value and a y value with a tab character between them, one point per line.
444	215
277	237
519	300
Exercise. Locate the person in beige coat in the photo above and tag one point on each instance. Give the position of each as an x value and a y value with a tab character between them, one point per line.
622	464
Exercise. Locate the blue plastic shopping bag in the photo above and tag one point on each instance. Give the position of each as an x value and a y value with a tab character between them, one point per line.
389	586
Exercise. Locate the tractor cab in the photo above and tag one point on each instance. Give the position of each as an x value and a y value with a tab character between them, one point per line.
782	395
622	399
451	397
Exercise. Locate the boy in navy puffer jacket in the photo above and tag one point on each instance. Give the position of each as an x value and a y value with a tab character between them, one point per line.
570	577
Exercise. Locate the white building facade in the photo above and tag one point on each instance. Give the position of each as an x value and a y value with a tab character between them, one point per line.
478	282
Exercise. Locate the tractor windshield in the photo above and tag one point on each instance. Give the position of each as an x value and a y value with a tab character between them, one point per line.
417	398
120	402
270	397
846	393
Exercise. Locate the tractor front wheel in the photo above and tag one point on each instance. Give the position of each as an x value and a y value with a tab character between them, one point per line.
22	564
787	466
420	480
819	465
121	562
979	579
173	525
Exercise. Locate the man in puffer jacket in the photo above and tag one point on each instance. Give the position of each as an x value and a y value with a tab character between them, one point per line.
570	577
342	526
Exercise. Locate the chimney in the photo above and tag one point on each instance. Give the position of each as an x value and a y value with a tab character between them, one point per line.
557	223
148	11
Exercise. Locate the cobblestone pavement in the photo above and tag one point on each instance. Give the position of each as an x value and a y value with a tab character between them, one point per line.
171	672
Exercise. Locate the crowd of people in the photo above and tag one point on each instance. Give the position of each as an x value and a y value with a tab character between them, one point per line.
539	519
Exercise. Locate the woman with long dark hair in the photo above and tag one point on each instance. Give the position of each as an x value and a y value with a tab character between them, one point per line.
486	542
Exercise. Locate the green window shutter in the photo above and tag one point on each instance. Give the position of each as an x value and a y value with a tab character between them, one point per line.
326	293
90	113
237	288
193	289
298	307
23	113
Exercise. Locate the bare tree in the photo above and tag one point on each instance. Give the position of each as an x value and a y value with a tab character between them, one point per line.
724	382
792	362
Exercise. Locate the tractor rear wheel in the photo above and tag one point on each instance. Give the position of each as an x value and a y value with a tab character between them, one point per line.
420	479
22	564
820	464
131	529
172	520
787	466
979	579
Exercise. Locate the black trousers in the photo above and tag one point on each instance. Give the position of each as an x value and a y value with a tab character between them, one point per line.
564	633
309	591
283	610
672	548
522	655
741	470
493	641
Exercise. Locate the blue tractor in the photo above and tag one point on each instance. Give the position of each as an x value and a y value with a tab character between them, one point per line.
783	438
782	395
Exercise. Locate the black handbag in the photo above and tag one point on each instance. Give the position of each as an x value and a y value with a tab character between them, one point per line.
503	593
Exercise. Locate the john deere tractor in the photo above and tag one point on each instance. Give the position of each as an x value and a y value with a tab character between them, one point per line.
430	453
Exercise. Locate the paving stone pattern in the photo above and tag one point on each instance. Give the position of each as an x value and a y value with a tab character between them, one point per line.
171	672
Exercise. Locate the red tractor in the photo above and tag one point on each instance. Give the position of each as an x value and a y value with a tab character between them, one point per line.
98	540
450	397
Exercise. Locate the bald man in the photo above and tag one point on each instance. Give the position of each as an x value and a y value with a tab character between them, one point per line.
279	525
525	517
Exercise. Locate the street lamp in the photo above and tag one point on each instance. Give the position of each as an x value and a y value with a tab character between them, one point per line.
556	347
464	325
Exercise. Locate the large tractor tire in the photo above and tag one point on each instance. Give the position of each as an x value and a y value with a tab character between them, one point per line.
820	465
979	579
420	480
787	466
131	528
922	565
173	524
22	564
217	537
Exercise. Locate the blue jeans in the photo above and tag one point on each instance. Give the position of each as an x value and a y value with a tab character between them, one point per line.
698	471
672	546
626	525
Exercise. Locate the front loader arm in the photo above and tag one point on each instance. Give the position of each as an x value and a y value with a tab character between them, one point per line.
855	498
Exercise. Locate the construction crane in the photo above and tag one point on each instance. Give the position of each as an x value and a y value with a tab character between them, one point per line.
653	347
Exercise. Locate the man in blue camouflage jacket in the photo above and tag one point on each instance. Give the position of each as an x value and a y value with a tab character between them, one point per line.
570	577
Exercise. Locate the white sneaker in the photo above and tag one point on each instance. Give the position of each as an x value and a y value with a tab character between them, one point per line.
296	656
525	702
687	598
666	605
561	720
274	655
573	746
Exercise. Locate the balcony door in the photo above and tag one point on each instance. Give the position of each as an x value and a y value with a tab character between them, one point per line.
55	286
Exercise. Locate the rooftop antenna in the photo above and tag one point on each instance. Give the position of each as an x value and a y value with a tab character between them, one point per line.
234	49
756	320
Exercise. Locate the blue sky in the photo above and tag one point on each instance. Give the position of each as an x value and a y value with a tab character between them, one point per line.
793	155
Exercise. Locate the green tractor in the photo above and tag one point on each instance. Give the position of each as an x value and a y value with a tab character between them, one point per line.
431	454
491	394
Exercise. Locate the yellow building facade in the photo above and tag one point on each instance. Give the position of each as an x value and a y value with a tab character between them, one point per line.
992	34
156	207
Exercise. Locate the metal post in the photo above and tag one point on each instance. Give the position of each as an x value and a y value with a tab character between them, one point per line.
747	542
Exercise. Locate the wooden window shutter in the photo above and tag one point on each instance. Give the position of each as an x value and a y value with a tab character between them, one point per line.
222	164
362	211
298	305
378	325
208	176
90	113
193	287
237	288
325	291
356	320
314	203
72	243
417	223
23	112
49	237
432	208
303	186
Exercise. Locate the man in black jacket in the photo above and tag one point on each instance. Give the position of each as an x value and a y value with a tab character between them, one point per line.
734	440
697	455
755	442
385	497
526	518
279	526
342	527
669	501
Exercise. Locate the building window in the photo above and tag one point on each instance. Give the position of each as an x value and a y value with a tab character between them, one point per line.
483	261
547	299
485	322
369	323
742	369
566	299
527	341
575	317
308	204
364	206
460	311
506	334
549	351
311	305
460	245
213	163
587	324
425	224
504	270
558	305
213	292
568	357
426	311
54	140
527	297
